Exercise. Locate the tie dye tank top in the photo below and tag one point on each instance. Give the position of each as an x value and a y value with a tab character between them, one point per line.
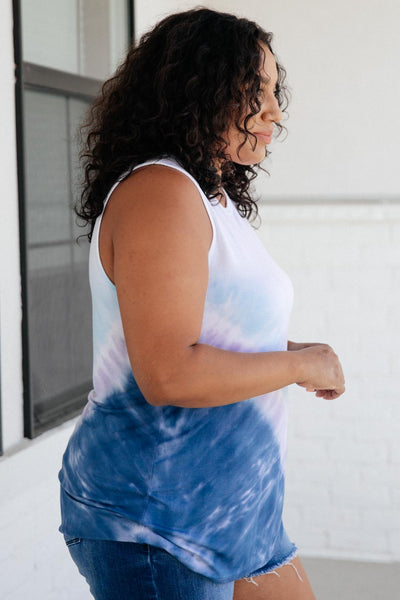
204	484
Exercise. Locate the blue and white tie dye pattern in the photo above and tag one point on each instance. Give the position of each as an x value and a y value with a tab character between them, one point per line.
205	484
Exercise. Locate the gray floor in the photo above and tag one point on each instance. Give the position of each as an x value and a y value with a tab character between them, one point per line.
348	580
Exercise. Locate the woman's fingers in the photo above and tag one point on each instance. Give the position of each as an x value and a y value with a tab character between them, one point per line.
326	394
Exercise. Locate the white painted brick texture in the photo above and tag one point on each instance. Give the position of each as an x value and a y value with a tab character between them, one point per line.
343	469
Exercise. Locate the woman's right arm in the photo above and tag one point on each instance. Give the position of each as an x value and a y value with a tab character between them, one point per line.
161	235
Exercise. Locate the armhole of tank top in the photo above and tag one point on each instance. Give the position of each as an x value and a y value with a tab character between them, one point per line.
168	163
96	232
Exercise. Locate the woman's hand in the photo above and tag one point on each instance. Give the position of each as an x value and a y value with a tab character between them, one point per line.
300	346
321	369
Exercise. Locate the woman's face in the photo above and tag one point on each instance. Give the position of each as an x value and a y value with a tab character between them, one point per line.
262	123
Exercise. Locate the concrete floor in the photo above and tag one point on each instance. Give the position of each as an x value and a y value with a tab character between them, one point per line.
350	580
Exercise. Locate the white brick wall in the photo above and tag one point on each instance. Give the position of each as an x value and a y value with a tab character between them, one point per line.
343	473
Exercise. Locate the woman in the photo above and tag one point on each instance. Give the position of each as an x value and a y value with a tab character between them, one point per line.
172	483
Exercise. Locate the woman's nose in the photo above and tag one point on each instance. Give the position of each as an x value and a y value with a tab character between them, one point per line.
278	114
272	110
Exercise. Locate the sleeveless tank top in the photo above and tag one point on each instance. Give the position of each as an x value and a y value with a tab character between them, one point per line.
204	484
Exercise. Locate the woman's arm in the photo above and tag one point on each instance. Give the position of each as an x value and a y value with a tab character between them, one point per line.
161	235
299	346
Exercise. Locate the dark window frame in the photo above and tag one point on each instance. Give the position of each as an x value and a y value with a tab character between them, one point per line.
36	77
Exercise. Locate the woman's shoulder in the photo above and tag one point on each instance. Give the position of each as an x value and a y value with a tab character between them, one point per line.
164	175
153	188
153	196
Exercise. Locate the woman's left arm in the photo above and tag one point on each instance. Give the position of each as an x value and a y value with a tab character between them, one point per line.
300	346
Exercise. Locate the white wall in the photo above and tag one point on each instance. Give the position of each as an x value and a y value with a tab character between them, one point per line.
343	470
10	293
343	496
341	59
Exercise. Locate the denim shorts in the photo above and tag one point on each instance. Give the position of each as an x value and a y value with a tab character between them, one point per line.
134	571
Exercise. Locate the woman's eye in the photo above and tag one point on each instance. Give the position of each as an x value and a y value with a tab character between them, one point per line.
277	91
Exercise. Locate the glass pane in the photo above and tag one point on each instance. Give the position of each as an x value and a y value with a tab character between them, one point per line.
60	333
48	259
81	315
50	352
94	23
80	325
119	31
77	113
85	37
46	168
59	303
50	33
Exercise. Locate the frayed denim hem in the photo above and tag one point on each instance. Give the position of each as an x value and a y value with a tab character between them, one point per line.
272	568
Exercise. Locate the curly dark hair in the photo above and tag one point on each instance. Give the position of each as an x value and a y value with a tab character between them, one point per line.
174	94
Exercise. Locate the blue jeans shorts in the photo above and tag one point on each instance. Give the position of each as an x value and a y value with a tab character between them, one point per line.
131	571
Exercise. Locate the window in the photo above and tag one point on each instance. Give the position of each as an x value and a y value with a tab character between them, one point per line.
64	49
